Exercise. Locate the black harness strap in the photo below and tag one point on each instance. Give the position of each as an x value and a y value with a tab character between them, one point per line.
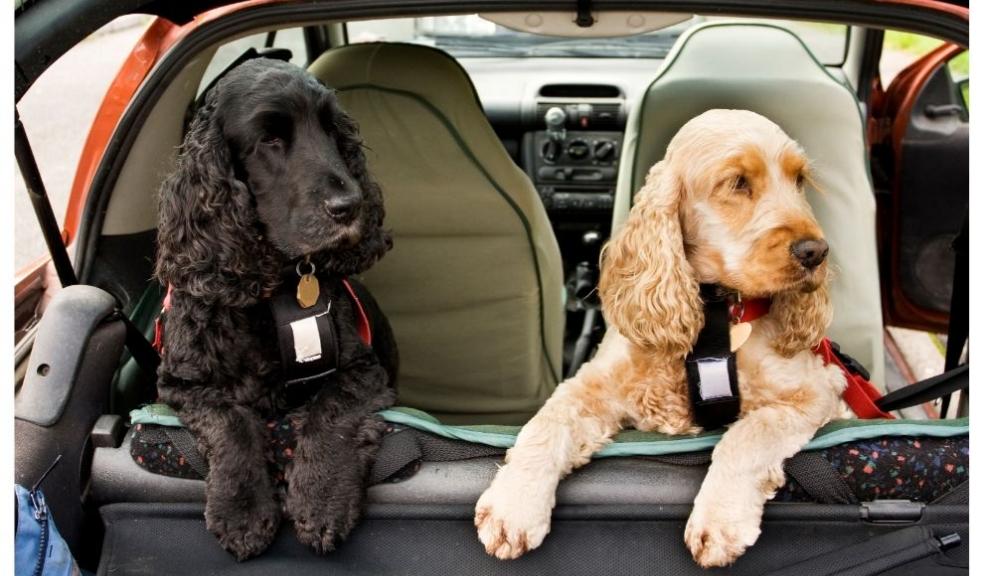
712	375
404	449
308	343
818	478
182	439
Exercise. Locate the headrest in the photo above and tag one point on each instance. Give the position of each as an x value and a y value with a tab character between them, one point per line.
759	67
426	72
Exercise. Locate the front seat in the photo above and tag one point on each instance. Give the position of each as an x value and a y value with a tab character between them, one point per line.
767	69
474	285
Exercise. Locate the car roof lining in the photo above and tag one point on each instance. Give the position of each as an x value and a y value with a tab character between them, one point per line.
605	23
46	29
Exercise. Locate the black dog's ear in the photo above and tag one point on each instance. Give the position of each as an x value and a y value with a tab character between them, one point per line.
208	245
375	241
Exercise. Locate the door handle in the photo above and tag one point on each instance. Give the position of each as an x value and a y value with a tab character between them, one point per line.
940	110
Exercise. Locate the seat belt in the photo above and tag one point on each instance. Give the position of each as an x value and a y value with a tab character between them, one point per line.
958	328
939	386
141	350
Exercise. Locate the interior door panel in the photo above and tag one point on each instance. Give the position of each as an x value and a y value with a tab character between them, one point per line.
923	150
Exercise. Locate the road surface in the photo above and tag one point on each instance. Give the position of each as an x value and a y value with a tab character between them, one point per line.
57	112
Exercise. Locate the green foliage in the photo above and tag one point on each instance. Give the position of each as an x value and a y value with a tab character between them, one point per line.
960	66
918	45
908	42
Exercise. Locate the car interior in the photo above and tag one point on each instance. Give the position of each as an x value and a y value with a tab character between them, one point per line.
508	147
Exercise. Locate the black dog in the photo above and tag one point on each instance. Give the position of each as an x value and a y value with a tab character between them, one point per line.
270	175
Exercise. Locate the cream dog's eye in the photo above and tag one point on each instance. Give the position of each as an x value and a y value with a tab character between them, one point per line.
800	180
741	185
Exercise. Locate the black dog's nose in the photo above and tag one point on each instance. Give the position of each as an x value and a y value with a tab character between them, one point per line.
342	208
810	253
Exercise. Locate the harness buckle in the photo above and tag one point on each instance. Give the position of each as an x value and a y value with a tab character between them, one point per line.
849	362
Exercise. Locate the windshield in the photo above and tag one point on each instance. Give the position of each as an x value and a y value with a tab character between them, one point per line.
472	36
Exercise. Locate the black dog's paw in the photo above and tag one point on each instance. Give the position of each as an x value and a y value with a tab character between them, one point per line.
322	534
322	518
245	528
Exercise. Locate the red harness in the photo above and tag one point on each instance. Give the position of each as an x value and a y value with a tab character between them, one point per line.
365	331
860	394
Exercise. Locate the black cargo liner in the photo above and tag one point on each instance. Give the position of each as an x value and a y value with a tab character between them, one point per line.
440	539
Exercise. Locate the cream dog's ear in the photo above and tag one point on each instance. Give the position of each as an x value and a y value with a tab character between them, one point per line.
648	289
803	319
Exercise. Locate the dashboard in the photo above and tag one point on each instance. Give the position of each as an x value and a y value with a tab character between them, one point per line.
572	161
563	122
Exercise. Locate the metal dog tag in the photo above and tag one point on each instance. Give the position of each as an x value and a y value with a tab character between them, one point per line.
308	290
739	333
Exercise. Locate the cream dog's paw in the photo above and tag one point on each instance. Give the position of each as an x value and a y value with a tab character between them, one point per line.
716	535
509	521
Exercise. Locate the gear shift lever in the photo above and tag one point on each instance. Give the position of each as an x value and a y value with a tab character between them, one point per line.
555	118
586	274
585	290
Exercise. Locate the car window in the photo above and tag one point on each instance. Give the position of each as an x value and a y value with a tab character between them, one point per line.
290	38
899	49
960	73
57	112
473	36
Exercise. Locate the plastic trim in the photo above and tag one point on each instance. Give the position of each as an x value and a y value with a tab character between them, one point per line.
59	349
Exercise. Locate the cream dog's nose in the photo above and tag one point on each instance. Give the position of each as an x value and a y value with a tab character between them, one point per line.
810	253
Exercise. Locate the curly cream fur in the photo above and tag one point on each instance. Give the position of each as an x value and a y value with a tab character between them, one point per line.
724	206
802	317
648	289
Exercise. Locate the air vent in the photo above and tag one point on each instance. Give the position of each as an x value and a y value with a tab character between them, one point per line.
606	116
580	91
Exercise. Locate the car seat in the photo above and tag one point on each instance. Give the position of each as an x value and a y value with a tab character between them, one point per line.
769	70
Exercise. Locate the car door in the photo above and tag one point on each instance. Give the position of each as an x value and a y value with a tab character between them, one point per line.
920	159
920	155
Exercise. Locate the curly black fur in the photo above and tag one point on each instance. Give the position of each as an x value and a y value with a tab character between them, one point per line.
271	171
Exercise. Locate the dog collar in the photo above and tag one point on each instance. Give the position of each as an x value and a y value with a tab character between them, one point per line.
748	310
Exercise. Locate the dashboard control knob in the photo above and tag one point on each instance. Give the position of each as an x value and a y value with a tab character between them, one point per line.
578	150
550	150
555	118
604	150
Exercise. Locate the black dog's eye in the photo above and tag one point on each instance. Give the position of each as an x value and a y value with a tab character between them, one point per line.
275	129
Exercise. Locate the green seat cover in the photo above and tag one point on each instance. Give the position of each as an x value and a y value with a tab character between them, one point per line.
473	286
631	442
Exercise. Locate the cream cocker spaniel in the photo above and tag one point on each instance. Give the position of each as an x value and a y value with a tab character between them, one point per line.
725	206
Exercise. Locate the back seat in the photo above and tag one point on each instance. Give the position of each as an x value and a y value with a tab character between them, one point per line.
116	478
